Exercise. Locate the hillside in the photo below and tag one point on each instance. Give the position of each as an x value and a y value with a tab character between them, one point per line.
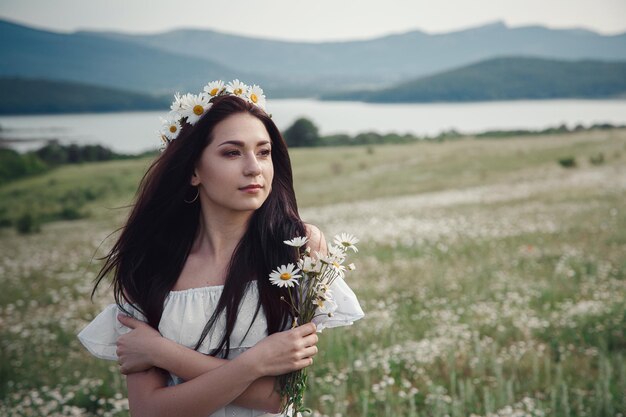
32	53
384	60
508	78
17	97
186	59
492	280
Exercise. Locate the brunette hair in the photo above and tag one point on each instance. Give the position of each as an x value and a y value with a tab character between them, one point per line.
151	251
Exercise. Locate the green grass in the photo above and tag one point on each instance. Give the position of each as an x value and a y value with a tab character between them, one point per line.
491	277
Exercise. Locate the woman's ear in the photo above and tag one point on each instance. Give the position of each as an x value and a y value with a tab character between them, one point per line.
195	180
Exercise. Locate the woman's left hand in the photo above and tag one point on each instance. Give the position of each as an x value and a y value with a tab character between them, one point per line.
136	348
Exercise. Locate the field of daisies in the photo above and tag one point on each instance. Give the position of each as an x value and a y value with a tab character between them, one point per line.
491	272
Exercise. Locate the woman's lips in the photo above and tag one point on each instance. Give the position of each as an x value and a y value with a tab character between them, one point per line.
253	188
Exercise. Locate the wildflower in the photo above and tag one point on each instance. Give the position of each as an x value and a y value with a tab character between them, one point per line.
256	96
237	88
347	241
325	305
297	242
170	127
176	105
285	276
214	88
194	106
338	268
308	264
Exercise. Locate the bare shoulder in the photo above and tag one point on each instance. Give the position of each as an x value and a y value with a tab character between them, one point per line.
317	241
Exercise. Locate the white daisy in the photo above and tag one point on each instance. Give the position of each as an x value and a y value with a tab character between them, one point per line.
194	106
323	290
336	253
214	88
338	268
297	242
164	142
176	104
170	127
285	276
237	88
347	241
255	95
308	264
325	305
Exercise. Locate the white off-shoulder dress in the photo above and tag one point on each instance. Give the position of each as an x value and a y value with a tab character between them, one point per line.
185	314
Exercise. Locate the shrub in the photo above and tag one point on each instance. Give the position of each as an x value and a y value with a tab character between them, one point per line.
70	213
27	223
567	162
597	159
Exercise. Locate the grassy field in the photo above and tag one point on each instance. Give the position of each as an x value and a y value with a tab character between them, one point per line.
492	278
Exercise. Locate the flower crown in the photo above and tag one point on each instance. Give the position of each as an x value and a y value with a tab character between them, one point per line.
191	106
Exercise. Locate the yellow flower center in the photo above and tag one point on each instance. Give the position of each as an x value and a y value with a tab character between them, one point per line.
214	91
238	91
336	265
285	276
254	98
198	109
173	128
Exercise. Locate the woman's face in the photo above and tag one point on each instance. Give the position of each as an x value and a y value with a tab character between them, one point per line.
235	171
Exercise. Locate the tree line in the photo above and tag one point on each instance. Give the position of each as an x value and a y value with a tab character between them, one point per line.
14	164
302	133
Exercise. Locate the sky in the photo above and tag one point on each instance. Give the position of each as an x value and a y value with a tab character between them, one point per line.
313	20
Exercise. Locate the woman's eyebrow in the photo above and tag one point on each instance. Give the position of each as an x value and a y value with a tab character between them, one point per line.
242	144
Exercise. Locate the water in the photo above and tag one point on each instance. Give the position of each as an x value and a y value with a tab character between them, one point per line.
136	131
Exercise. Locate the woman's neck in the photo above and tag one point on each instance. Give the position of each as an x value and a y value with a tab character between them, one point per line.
219	233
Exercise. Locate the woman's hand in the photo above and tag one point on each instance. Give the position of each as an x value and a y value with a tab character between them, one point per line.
283	352
135	349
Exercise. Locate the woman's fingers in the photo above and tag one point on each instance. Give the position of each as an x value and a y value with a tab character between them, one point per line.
128	321
310	340
305	329
309	352
303	363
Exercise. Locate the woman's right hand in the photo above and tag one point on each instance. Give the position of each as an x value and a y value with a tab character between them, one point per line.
284	352
135	349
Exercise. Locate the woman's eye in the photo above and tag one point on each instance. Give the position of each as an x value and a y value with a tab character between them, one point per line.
231	153
265	152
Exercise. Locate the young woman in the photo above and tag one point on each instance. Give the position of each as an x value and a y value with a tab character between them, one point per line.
192	264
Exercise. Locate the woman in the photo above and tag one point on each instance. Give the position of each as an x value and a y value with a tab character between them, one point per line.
193	259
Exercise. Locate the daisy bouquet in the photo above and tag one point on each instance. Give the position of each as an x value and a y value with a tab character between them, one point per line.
309	284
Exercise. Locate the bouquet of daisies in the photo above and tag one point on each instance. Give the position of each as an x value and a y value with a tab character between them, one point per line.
310	299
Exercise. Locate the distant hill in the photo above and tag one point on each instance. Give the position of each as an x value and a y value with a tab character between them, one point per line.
32	53
507	78
186	59
25	96
381	61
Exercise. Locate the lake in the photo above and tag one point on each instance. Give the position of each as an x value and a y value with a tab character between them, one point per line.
136	131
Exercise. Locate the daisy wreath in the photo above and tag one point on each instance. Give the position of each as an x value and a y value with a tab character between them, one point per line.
190	107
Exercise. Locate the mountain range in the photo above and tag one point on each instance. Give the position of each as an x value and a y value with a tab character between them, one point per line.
184	60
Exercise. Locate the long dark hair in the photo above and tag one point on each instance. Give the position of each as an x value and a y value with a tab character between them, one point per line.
151	251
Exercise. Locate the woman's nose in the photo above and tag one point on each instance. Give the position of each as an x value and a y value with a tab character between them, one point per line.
253	167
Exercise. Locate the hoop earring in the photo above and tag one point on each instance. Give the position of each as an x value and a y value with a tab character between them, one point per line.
195	198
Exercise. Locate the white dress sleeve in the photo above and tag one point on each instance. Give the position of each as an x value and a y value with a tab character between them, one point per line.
100	335
348	308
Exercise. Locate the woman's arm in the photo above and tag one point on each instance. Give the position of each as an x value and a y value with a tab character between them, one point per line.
144	347
277	354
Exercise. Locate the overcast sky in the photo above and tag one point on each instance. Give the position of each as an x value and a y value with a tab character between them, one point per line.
313	20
